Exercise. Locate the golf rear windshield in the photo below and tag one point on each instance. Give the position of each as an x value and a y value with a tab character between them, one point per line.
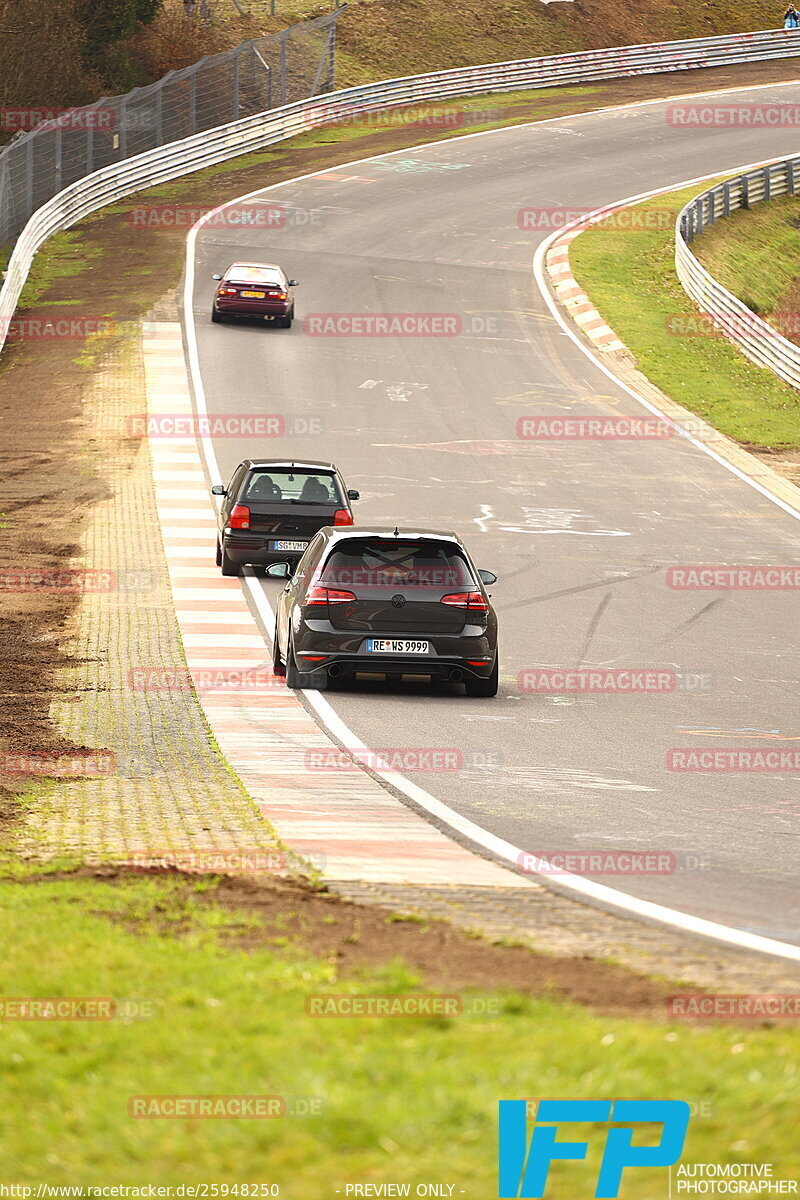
396	563
284	484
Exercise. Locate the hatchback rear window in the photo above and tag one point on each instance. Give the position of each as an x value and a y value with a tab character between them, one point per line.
391	564
287	486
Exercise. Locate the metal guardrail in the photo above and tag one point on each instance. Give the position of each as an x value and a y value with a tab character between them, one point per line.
178	158
756	338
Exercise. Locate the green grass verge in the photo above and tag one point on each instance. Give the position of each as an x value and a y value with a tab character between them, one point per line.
755	253
399	1099
630	276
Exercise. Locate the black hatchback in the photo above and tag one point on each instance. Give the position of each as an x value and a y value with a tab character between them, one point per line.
389	602
271	511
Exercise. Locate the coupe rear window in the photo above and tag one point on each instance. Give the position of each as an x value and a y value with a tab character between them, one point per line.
390	564
287	486
252	275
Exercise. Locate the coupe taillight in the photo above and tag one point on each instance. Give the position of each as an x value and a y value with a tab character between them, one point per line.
342	517
319	594
240	517
472	601
226	291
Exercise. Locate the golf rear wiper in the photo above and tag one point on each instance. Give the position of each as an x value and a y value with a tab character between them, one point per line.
328	503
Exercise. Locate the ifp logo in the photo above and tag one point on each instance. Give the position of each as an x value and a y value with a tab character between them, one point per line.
524	1169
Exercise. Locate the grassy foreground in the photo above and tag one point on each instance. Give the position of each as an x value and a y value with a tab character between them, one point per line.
630	276
398	1099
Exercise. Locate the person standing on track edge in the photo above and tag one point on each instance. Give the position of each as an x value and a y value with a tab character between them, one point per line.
791	18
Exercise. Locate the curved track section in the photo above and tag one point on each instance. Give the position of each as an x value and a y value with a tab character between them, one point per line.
581	533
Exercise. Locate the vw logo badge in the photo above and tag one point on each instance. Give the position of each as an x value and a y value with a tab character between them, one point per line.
398	601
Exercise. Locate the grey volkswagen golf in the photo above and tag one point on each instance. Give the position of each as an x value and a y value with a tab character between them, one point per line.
385	601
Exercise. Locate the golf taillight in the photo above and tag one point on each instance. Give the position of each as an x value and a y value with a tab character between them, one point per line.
226	291
240	517
342	517
472	601
319	594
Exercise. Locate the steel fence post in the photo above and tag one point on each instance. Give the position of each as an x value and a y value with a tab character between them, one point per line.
235	106
29	178
57	158
123	129
283	68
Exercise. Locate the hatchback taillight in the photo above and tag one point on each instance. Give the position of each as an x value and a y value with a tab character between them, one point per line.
319	594
472	601
226	291
342	517
240	517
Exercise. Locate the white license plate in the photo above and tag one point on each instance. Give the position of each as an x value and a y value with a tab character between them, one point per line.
289	545
395	646
252	295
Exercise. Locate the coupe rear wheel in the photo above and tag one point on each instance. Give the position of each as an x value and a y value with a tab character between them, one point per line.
485	687
229	567
217	317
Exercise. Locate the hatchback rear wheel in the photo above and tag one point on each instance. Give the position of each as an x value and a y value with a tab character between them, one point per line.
297	679
485	687
278	666
229	567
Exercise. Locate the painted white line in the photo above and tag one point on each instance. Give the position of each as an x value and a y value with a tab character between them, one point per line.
332	722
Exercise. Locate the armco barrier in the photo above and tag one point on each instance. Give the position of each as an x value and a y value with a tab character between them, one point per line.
755	337
253	133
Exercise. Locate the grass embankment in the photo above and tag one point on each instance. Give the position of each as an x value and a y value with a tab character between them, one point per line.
630	276
397	1099
378	39
755	253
